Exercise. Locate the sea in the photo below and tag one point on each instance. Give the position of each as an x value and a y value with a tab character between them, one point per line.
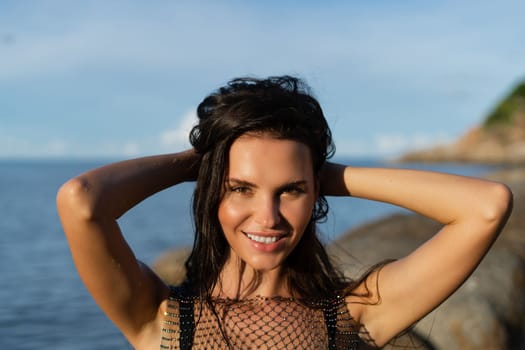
43	303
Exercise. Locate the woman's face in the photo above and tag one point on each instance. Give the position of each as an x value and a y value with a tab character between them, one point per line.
268	201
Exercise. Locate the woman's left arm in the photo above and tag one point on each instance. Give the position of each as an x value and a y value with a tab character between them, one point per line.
472	211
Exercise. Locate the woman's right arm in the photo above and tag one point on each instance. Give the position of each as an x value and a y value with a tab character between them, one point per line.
89	206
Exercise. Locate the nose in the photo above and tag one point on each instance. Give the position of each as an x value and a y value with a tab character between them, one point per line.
267	211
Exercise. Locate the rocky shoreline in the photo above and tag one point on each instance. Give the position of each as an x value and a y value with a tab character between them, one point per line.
487	312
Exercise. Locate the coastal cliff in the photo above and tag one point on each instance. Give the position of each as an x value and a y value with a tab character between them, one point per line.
500	139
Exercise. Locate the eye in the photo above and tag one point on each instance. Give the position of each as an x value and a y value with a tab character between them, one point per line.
239	189
293	190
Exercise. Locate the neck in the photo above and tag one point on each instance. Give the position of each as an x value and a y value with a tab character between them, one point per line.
238	280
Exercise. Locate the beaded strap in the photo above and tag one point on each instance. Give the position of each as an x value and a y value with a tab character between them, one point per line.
179	322
330	319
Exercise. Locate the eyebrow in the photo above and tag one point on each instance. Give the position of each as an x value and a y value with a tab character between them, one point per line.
302	183
239	182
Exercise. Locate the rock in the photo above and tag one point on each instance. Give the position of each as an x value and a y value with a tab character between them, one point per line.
170	266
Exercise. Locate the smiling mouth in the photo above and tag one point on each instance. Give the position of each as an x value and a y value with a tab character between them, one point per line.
263	239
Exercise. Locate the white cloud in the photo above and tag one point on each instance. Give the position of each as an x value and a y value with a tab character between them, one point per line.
56	148
104	48
405	49
177	137
390	144
14	146
352	148
397	143
131	149
130	40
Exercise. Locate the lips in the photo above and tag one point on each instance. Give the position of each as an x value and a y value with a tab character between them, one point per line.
265	239
260	239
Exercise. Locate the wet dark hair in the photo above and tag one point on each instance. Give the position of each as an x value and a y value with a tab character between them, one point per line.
284	108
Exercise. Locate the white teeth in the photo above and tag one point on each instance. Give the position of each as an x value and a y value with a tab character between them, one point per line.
261	239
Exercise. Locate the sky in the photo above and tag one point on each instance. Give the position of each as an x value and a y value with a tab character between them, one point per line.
119	79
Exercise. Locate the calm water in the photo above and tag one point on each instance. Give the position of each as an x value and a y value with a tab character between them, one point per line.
43	304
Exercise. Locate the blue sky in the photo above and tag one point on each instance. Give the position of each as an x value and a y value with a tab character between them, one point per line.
122	78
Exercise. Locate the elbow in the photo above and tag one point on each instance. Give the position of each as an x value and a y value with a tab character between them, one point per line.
498	204
74	200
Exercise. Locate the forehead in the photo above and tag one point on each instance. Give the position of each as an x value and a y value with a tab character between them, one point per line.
261	154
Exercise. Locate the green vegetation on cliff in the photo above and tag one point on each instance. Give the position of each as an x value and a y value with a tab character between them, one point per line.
508	108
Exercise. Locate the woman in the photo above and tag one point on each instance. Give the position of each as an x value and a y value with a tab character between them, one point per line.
258	277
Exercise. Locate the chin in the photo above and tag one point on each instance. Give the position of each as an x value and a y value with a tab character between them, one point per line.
263	265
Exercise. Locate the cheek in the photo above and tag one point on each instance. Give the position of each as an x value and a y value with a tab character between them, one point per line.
230	215
299	214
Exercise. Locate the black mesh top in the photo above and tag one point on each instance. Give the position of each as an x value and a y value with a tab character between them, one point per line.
258	323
